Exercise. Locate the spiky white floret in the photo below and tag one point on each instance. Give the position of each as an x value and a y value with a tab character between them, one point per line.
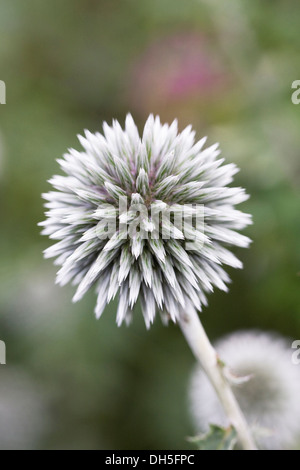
163	173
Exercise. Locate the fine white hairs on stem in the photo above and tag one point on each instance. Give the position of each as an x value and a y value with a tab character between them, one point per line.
137	248
269	399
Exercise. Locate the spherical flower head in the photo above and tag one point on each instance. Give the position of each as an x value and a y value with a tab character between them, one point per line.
149	217
269	399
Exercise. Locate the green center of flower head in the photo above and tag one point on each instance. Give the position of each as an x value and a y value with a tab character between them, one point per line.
149	217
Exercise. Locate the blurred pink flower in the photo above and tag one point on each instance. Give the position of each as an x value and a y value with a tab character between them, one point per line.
182	69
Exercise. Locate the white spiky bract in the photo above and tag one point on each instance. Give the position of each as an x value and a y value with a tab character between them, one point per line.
269	400
164	170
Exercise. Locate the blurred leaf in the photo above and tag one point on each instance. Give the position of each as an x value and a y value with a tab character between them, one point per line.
217	438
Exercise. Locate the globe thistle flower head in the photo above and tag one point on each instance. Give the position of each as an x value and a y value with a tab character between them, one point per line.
148	217
270	396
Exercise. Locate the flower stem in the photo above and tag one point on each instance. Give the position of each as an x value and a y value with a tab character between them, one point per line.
204	352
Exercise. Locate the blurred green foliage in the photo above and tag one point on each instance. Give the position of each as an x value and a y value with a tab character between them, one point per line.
70	65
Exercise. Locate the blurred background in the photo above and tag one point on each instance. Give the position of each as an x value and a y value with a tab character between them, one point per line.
70	381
